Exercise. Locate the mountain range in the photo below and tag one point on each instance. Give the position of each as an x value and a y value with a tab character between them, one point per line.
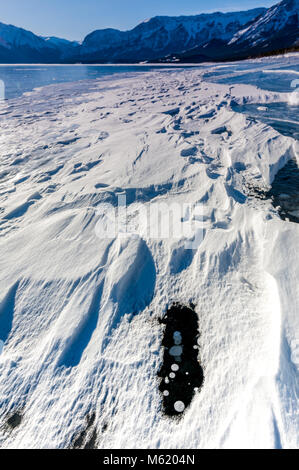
204	37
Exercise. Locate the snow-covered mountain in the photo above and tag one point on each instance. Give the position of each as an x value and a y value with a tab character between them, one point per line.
63	48
12	37
275	20
162	35
215	36
59	42
20	45
276	29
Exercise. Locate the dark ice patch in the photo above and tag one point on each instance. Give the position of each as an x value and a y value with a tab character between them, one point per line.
14	420
181	375
285	192
87	438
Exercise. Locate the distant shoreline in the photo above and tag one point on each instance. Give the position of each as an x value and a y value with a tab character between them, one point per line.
149	64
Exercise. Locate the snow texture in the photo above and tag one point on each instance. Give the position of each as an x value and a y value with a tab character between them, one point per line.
79	314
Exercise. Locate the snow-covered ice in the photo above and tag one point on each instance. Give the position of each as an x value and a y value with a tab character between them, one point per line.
79	313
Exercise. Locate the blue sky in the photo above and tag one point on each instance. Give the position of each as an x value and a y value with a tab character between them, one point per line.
73	19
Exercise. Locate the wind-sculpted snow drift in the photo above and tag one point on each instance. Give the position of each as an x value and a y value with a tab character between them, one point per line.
79	312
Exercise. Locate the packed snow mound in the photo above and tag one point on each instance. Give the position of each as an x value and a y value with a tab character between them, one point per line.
79	330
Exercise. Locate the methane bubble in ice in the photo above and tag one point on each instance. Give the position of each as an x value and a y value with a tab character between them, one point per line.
166	393
176	351
177	338
179	406
180	360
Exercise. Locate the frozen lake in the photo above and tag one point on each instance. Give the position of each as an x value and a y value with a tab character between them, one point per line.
267	74
271	76
86	279
19	79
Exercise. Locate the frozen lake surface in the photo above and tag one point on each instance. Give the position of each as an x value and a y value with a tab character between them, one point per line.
19	79
85	342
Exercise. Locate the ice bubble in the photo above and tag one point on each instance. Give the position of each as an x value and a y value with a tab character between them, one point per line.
176	351
172	375
1	346
166	380
166	393
179	406
174	367
177	337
